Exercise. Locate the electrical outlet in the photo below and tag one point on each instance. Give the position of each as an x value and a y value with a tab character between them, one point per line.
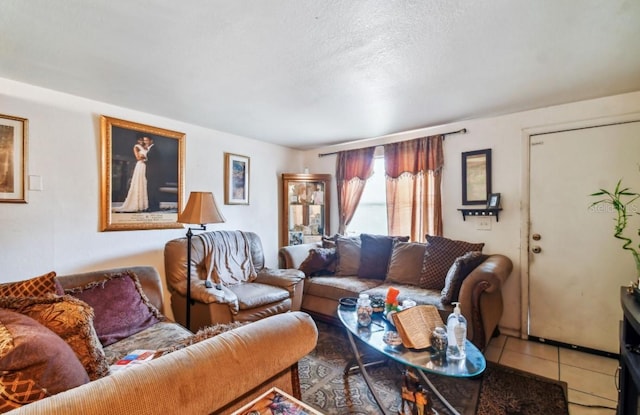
484	223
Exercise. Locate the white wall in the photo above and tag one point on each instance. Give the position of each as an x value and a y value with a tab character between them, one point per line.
58	229
504	135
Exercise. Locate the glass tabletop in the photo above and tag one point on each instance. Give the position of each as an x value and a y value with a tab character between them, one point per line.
423	359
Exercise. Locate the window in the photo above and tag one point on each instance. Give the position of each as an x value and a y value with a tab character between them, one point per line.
371	214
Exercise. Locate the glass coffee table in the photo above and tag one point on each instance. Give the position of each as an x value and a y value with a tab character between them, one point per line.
424	360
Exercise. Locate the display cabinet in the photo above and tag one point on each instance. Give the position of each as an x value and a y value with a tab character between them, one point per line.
305	207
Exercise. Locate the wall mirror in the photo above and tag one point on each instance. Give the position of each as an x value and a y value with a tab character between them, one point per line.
476	177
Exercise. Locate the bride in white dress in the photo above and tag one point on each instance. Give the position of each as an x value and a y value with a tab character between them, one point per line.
137	199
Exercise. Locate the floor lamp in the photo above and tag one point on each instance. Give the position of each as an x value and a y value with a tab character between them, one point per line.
201	208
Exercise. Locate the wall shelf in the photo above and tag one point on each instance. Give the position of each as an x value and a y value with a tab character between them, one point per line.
481	212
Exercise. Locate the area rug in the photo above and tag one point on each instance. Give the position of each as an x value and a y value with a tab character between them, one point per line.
498	391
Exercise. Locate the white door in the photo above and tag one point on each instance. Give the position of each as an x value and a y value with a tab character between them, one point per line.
575	278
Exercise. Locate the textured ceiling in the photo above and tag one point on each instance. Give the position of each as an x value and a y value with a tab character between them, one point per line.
307	73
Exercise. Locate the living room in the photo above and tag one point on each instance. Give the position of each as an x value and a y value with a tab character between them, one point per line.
59	228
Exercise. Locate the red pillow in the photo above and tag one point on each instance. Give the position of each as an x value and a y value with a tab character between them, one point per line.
121	308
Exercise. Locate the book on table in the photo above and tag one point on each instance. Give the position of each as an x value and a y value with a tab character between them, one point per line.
416	324
133	358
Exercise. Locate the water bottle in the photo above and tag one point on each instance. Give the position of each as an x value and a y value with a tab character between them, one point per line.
456	334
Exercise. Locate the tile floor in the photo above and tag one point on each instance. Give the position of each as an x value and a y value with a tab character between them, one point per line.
591	379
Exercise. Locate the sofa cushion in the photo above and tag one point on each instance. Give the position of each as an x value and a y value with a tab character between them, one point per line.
121	307
34	362
34	287
461	267
405	263
337	287
69	318
408	292
255	294
321	261
439	256
375	254
348	253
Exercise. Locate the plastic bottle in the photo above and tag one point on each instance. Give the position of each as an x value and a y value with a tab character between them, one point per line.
364	310
456	334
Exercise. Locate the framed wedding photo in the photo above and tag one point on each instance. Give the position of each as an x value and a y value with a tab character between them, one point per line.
493	201
476	177
236	179
142	176
13	159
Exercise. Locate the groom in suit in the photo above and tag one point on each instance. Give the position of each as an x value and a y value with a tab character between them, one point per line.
154	173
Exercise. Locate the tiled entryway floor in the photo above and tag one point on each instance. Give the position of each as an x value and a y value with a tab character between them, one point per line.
591	379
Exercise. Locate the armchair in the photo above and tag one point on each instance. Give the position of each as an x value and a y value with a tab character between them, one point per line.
233	260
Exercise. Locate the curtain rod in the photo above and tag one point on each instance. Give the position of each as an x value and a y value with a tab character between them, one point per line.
461	131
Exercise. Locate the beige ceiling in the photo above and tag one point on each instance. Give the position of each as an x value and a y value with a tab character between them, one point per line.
306	73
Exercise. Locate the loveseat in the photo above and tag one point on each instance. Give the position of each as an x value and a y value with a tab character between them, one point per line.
439	272
242	287
192	376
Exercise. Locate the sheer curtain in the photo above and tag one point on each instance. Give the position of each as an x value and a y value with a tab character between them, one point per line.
413	178
353	168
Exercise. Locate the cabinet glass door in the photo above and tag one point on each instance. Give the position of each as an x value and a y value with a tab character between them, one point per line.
306	204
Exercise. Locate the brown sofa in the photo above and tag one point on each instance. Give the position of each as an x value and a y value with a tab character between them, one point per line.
197	379
480	293
248	291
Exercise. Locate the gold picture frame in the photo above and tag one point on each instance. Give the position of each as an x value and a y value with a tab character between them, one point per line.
13	159
236	179
140	189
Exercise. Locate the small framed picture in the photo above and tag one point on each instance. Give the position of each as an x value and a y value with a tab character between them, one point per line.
493	201
236	179
13	159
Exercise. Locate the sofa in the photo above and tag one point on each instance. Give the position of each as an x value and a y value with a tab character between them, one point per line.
241	288
216	373
439	272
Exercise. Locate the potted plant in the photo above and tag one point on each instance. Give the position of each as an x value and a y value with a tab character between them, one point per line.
620	199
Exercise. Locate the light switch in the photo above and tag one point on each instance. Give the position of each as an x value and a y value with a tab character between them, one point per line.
484	223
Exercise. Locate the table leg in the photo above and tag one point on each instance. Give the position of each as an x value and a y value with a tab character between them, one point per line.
364	372
433	389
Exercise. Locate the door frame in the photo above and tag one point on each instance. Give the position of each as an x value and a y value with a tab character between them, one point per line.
525	213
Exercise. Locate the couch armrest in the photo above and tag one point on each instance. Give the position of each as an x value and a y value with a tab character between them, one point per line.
291	256
257	351
480	297
291	280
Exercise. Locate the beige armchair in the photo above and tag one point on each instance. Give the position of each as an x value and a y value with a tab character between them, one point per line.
233	261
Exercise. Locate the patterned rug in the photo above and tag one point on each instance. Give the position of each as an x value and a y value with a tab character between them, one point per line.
499	391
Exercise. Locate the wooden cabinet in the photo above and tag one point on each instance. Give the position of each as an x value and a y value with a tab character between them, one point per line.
305	207
629	394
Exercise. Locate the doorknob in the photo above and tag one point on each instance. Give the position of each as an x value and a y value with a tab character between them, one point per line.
536	249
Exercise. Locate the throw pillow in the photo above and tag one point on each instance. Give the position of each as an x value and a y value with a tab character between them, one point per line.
34	362
348	253
72	320
461	267
405	263
439	257
121	308
321	261
330	241
375	254
34	287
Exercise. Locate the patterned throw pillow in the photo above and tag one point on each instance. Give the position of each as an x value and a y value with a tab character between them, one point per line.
405	263
348	253
34	362
321	261
120	306
439	257
461	267
375	255
34	287
69	318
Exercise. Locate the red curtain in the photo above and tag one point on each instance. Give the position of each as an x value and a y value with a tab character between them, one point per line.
413	172
353	168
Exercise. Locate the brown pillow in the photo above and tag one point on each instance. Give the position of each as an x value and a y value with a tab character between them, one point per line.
321	261
439	257
72	320
121	308
461	267
34	287
375	254
348	253
329	241
405	263
34	362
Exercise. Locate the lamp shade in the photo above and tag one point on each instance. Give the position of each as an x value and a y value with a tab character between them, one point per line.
201	208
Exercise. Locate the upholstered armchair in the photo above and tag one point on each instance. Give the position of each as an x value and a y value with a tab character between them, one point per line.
234	262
